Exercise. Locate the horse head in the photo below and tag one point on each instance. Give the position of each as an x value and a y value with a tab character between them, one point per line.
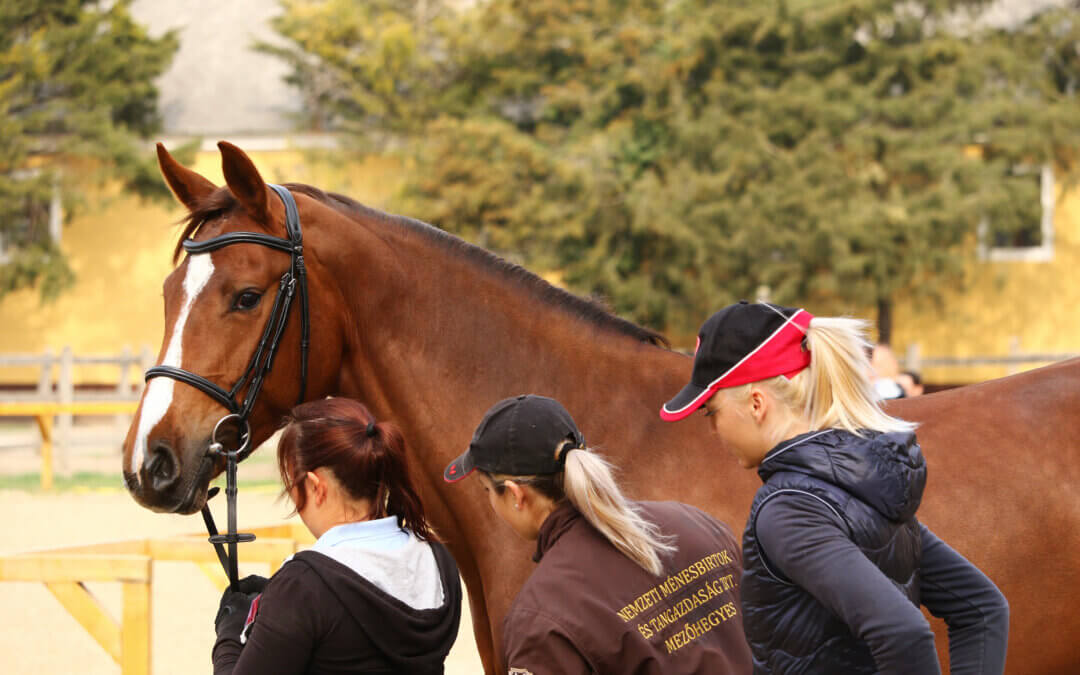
221	310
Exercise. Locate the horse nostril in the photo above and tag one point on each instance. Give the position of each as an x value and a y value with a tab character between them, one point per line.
162	467
131	482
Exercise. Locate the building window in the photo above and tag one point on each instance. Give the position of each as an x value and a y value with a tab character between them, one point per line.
1031	237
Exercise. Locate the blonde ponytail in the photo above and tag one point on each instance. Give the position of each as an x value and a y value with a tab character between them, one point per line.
840	391
835	391
588	483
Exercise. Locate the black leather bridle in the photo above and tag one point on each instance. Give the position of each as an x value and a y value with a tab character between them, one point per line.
293	283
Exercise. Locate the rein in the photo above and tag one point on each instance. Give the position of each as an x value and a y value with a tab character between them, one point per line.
257	369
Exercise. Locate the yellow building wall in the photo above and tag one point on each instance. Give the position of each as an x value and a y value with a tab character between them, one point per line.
1031	303
120	249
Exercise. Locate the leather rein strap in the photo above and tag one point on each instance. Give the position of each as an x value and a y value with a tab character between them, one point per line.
292	283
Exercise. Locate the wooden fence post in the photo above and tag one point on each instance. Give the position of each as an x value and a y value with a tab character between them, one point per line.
45	426
1014	351
135	633
912	360
67	395
44	387
146	360
124	388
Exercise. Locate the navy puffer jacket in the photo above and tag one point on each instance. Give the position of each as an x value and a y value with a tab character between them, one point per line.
835	504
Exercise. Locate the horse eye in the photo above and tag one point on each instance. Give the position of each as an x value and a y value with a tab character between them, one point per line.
247	300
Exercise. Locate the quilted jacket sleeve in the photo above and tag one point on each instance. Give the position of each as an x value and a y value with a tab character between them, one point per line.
809	544
974	609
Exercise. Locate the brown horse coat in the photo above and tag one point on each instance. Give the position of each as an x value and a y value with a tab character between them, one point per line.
429	331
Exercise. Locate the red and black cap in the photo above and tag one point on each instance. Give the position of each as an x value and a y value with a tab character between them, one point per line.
518	437
742	343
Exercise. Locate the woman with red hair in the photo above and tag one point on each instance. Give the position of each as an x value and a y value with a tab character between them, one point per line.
376	593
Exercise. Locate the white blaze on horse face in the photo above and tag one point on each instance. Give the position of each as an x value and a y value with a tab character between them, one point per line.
159	390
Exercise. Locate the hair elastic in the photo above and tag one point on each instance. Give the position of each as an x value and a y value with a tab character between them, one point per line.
576	443
371	430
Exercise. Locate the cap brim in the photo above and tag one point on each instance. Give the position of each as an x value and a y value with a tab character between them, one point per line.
685	403
459	468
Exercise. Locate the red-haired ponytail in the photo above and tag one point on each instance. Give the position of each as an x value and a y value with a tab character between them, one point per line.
334	433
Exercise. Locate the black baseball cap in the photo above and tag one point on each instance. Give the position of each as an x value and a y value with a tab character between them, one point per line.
518	437
742	343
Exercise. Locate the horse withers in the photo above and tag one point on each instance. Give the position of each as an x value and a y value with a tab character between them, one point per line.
428	330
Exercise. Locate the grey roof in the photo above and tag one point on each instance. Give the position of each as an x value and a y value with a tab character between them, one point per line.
217	84
1003	14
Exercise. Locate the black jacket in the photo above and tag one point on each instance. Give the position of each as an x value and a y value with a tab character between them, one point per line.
836	565
318	616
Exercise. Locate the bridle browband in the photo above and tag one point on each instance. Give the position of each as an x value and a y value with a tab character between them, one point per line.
257	369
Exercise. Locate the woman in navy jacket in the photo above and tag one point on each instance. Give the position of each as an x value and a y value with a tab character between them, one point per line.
836	564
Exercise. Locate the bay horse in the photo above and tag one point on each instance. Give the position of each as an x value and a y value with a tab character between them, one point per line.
429	331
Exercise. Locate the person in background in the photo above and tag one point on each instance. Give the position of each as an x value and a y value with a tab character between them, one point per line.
376	593
885	368
650	588
911	382
836	564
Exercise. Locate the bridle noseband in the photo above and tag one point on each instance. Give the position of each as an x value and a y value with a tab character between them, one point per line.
293	281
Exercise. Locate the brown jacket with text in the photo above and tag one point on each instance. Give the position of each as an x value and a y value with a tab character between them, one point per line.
587	608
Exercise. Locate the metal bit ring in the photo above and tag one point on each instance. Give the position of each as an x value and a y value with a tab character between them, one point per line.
245	435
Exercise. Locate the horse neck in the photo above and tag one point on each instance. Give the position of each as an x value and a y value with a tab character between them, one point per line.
434	338
441	336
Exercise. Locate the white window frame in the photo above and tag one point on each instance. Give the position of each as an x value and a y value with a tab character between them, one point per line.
1044	252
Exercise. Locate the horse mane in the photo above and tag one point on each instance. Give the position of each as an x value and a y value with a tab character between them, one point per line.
223	202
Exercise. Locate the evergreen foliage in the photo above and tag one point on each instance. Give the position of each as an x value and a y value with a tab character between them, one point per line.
672	157
365	66
76	92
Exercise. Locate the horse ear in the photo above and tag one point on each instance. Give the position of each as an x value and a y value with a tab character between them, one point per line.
245	182
189	187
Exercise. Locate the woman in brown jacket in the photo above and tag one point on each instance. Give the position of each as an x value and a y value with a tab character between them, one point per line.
620	586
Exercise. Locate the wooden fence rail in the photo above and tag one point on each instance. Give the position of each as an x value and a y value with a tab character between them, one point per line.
65	571
56	373
44	413
913	359
64	574
56	383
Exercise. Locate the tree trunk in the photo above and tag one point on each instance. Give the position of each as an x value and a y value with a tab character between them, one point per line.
884	321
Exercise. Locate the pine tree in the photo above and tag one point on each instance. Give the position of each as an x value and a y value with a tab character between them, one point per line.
76	85
868	193
370	67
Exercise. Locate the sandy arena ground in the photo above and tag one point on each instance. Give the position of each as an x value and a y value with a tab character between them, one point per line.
38	636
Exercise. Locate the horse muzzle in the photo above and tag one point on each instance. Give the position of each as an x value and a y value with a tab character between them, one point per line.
162	484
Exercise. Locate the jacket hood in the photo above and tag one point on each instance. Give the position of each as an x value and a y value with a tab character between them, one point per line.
885	470
414	640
